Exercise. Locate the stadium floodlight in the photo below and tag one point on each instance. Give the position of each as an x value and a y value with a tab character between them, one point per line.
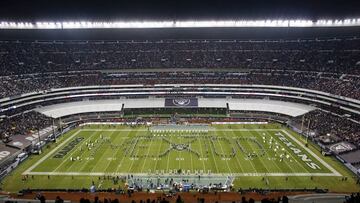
48	25
301	23
181	24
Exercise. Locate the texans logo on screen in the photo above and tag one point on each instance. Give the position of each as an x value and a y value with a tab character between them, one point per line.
181	102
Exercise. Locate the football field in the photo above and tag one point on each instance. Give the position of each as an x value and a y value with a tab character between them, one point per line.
267	156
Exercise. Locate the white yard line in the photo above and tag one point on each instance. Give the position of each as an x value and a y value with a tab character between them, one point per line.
237	160
224	154
202	152
167	163
212	154
74	150
101	158
117	151
244	129
145	130
89	129
191	159
252	165
213	174
123	157
135	159
260	159
179	157
336	173
157	161
147	155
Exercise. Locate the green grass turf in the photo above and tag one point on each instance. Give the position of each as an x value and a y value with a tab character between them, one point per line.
125	150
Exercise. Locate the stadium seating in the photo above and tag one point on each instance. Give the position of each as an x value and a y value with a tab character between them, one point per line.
338	84
24	124
327	65
324	55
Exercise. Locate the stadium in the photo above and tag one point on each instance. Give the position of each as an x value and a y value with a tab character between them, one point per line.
180	111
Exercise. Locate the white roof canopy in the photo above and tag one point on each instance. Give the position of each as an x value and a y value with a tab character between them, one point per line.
286	108
70	108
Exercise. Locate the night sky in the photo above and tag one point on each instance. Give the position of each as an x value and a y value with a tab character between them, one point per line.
30	10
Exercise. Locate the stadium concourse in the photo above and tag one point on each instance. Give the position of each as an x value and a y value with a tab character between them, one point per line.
291	106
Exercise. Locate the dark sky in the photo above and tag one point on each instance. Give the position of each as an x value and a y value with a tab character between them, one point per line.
32	10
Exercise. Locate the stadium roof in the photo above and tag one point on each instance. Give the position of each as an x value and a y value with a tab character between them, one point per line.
66	109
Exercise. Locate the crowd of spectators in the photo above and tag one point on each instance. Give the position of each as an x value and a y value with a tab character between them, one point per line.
328	55
329	124
27	66
179	199
353	198
23	124
344	85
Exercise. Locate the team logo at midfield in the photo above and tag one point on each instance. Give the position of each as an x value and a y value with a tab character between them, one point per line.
181	102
